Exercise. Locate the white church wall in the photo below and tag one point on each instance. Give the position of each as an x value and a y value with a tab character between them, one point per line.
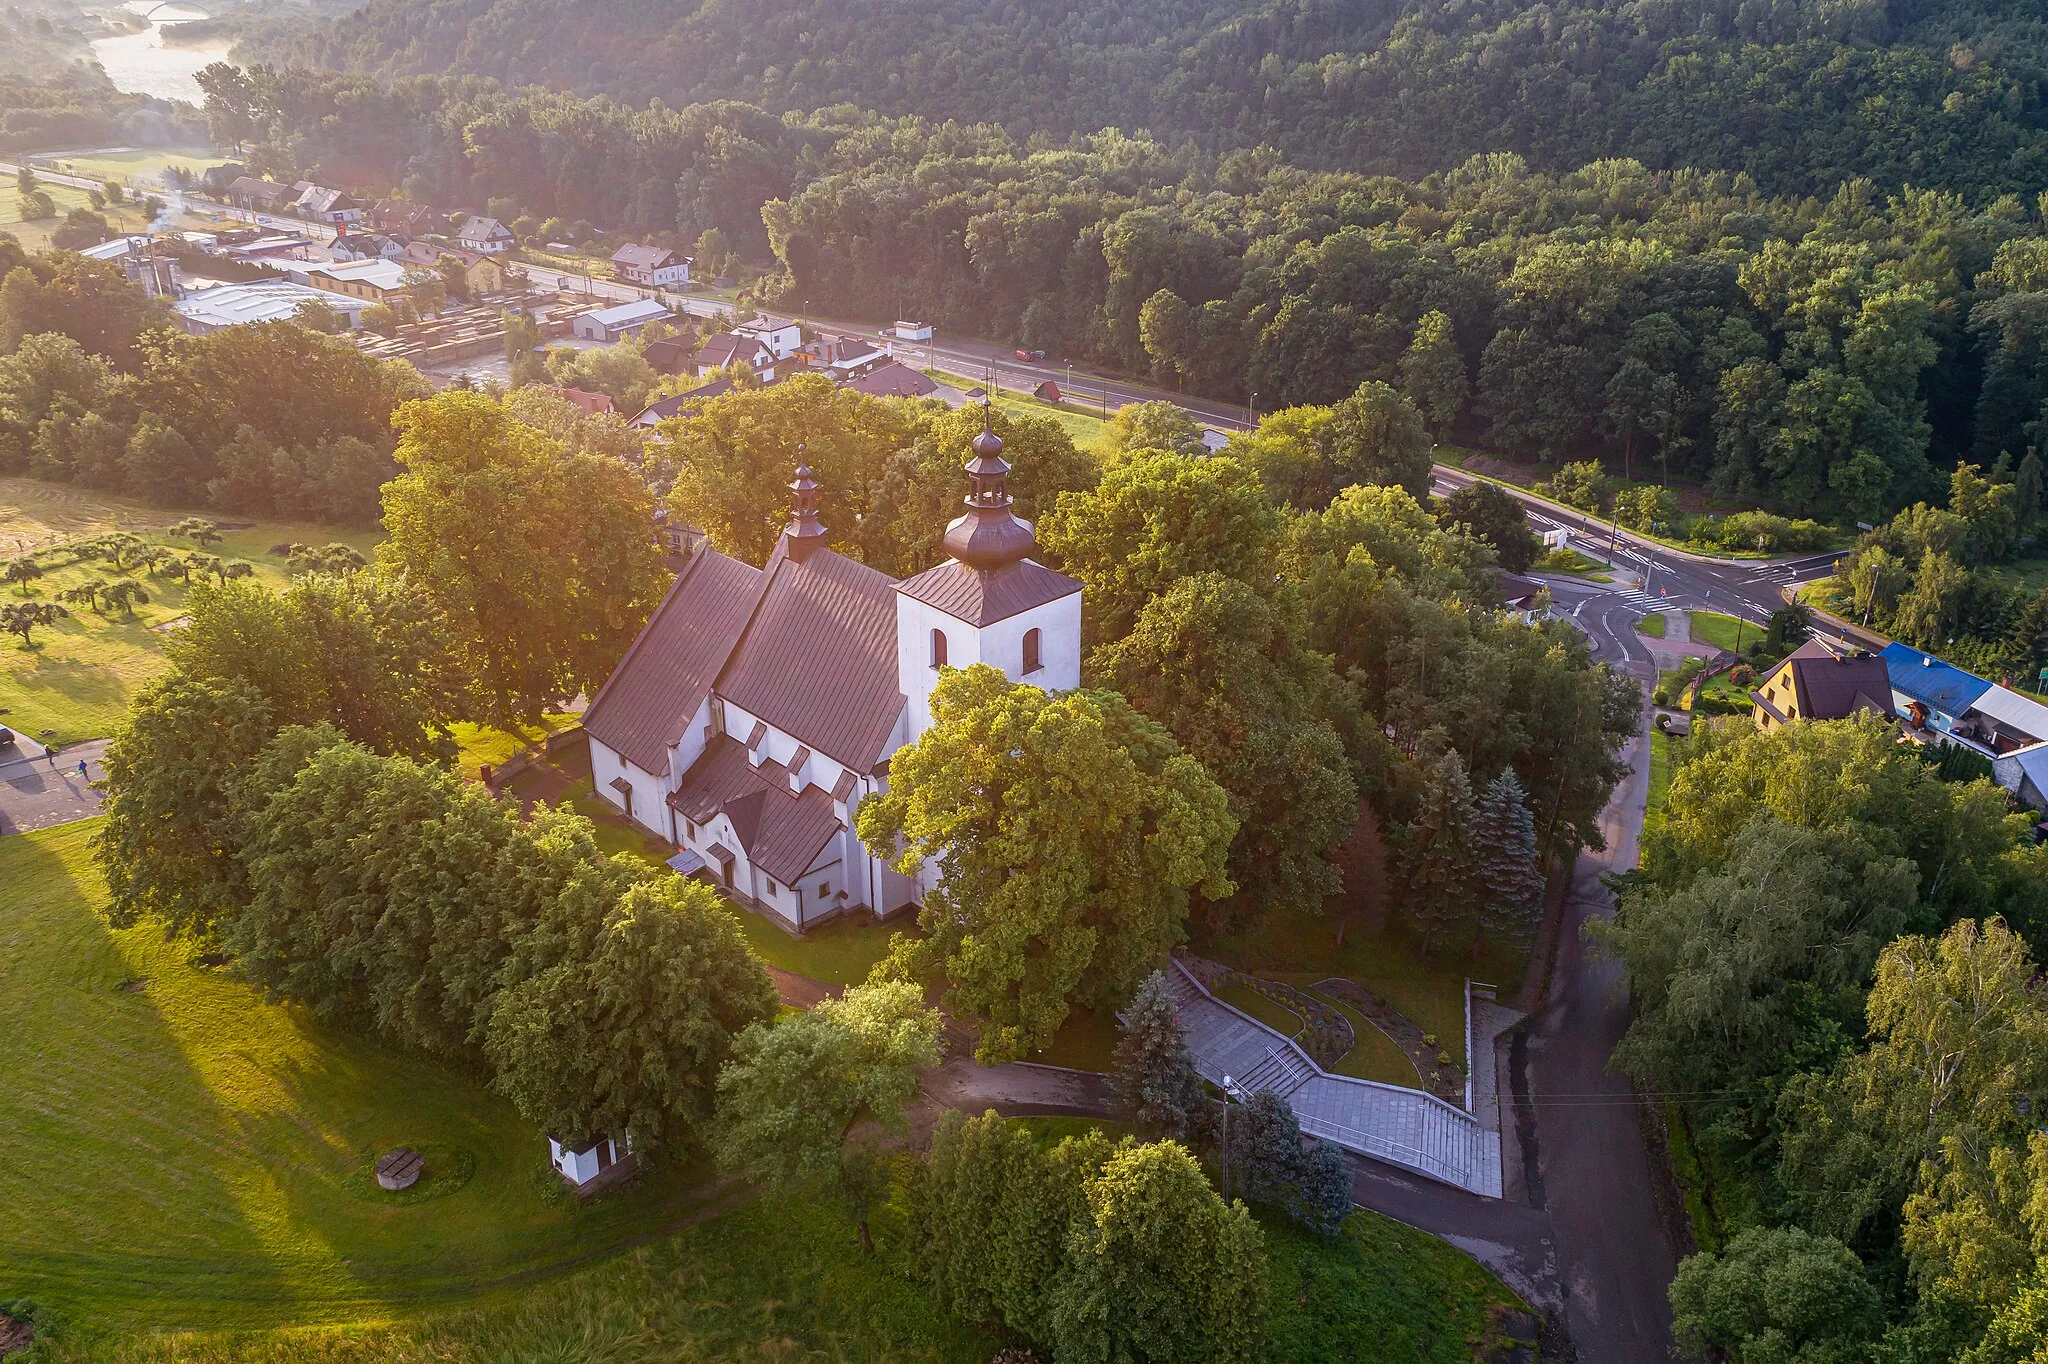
649	807
690	746
1000	645
780	746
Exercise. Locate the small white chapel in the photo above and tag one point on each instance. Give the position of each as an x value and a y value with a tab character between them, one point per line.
759	706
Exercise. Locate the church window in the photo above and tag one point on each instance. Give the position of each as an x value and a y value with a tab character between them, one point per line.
824	889
1031	663
938	648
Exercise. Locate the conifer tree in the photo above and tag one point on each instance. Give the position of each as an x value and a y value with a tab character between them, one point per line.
1504	867
1156	1084
1440	865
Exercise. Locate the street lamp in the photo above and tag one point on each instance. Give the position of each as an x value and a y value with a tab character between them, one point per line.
1251	411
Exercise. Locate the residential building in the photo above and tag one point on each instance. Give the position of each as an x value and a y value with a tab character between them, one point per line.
593	404
843	356
378	281
1527	600
671	354
759	706
620	320
486	274
892	381
1940	703
660	410
656	267
258	195
1816	683
263	300
403	217
350	246
486	235
722	348
330	206
783	339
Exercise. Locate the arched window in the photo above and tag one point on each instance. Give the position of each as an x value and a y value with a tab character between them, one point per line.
1031	663
938	648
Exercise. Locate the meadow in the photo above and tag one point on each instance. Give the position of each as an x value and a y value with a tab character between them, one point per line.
188	1180
76	677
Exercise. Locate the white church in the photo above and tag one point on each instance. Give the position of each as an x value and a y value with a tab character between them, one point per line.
760	705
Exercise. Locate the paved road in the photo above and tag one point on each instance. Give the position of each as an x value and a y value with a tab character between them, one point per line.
35	794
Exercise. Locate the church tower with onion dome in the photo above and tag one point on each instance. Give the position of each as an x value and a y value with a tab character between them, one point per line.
989	601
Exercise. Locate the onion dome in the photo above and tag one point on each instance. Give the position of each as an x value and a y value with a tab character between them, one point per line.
804	532
989	536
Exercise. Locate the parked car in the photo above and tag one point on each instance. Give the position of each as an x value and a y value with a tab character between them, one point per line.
1029	354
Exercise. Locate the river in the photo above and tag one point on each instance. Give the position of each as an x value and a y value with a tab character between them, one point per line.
140	62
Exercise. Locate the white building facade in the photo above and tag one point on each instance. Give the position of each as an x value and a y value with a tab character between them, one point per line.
759	707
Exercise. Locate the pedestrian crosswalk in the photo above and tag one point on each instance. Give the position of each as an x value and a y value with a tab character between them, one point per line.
1641	600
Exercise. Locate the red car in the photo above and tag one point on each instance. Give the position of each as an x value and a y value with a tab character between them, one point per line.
1029	354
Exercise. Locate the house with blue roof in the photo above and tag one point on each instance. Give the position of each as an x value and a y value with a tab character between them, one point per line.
1945	691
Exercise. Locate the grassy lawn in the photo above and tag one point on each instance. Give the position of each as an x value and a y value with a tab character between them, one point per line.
1652	625
1660	779
1375	1056
206	1153
1082	423
1431	992
138	165
1573	564
1711	627
80	673
1282	1020
1087	1041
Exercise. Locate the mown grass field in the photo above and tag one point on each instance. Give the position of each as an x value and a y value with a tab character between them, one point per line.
139	166
1724	632
75	679
187	1180
1084	427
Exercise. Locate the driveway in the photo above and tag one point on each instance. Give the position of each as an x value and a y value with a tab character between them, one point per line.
35	794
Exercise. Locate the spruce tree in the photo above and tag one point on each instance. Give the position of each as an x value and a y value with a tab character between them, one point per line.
1156	1084
1440	856
1322	1190
1504	867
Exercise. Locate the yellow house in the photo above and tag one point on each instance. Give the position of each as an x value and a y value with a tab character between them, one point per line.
1816	683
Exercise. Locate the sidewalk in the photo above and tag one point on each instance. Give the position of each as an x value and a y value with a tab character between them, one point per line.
36	794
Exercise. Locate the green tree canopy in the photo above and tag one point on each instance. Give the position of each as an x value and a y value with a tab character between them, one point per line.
1069	831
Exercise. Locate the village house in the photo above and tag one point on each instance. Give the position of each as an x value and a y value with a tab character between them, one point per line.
257	195
892	381
1816	683
486	235
660	410
759	706
593	404
671	354
783	339
656	267
350	246
843	357
616	322
722	348
484	274
329	206
403	217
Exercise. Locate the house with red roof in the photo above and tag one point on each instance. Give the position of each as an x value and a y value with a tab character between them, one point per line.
760	705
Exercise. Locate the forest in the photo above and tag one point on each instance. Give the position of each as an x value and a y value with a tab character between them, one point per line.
1799	95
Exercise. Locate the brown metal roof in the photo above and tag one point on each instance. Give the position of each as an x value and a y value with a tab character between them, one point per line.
979	598
892	381
1833	687
668	672
783	833
818	661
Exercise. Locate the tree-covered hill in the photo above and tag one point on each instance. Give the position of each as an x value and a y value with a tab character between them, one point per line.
1799	93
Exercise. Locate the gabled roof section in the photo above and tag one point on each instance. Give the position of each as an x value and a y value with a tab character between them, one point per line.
1832	686
646	257
818	662
979	598
669	671
782	832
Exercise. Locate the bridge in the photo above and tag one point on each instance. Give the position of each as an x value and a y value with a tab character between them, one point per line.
192	12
